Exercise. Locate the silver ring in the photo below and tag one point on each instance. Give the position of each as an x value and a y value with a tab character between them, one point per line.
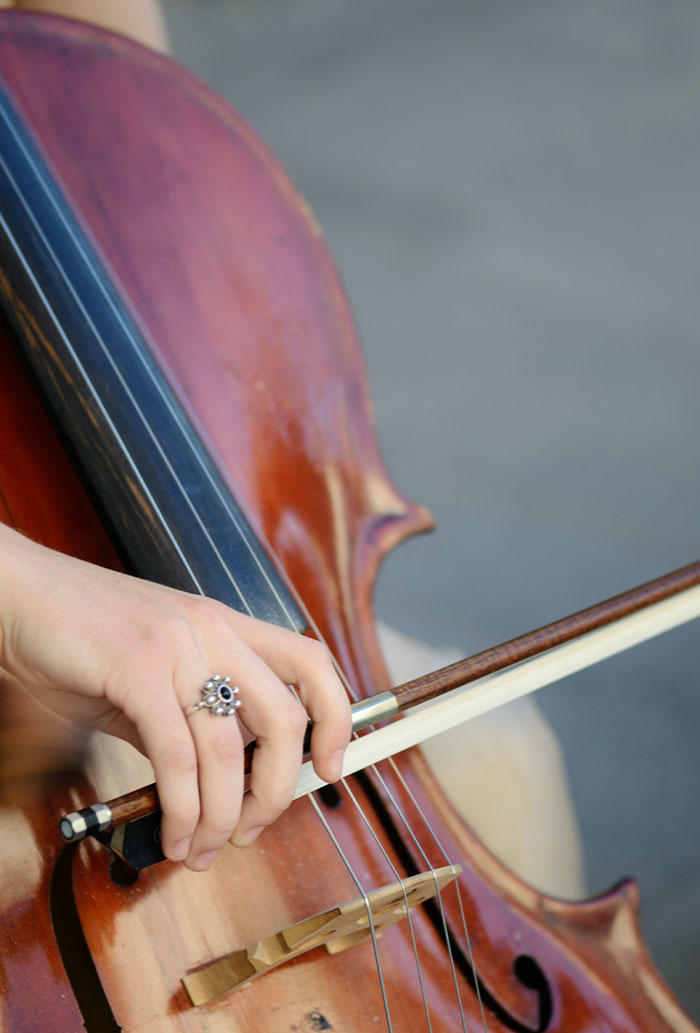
218	696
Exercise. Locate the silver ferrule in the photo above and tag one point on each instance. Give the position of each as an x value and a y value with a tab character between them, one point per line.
373	709
79	824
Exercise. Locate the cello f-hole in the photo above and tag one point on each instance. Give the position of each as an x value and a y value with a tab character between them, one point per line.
74	950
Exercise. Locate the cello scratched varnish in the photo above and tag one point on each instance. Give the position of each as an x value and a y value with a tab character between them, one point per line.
221	269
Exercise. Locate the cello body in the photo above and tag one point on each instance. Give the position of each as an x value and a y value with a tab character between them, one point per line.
222	264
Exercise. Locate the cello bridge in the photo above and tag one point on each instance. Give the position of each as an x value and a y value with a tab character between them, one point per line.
336	929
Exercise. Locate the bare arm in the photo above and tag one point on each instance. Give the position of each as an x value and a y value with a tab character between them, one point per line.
130	657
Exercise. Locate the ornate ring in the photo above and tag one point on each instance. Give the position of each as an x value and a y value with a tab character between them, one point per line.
218	696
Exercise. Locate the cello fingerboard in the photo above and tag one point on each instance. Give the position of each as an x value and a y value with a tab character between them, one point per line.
131	434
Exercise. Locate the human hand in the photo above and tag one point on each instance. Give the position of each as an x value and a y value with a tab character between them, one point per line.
129	657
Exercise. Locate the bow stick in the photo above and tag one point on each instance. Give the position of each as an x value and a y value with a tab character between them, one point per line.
526	663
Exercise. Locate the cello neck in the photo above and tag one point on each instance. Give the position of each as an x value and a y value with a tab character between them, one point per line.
130	433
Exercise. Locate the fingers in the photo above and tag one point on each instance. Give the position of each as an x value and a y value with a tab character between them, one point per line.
278	722
198	758
308	665
164	732
220	751
130	656
328	706
219	744
198	763
264	663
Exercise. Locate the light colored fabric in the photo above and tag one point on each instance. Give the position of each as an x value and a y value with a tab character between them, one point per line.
142	20
504	774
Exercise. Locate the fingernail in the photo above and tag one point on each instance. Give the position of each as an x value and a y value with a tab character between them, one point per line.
336	764
203	861
246	838
179	851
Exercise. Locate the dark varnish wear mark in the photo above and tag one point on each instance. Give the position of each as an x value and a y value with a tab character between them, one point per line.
315	1021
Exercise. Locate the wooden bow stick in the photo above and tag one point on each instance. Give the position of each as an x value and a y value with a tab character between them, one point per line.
533	660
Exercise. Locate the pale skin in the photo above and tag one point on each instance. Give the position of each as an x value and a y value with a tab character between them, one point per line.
129	657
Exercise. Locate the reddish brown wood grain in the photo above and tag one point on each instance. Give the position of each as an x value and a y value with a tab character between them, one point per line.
224	266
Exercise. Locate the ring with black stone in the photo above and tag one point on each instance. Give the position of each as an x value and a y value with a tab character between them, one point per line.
218	697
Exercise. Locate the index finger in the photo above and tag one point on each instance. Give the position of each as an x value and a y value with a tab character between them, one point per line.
169	745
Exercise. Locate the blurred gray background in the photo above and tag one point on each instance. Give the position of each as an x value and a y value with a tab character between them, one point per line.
510	190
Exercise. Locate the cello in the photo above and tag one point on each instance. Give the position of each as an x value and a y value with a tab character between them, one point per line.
260	355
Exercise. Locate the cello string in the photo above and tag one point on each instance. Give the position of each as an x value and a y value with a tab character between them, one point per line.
125	451
89	263
431	831
90	267
368	907
442	849
405	896
367	903
426	860
98	401
443	917
96	396
172	537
